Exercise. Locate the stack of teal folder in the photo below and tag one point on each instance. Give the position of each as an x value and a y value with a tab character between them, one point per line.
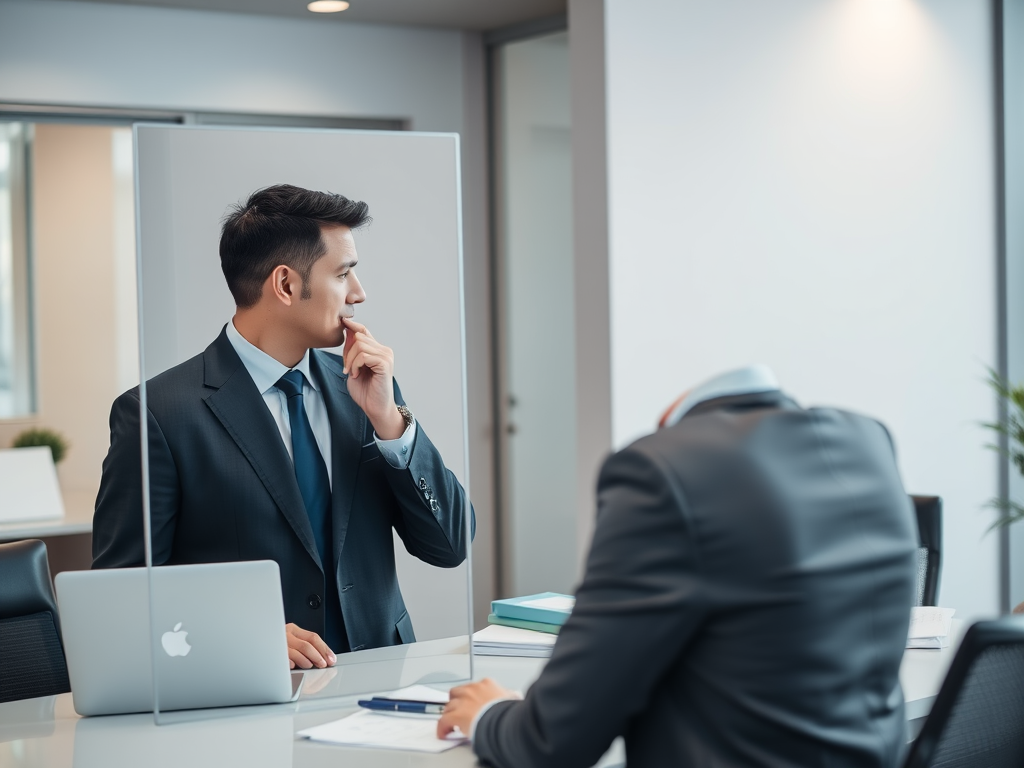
545	612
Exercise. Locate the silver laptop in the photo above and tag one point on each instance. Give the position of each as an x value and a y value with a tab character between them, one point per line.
222	637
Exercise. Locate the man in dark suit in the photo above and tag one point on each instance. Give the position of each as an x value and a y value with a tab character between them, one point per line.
745	603
266	447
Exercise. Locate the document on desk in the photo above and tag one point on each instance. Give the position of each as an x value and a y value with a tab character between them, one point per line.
401	731
929	627
497	640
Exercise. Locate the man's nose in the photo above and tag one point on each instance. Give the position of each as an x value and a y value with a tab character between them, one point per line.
357	295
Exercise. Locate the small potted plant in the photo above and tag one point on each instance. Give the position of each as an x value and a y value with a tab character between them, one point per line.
1010	425
57	443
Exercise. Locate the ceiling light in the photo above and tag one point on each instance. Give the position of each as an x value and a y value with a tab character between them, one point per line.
327	6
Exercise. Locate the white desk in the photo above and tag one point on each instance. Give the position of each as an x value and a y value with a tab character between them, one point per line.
68	539
46	732
78	509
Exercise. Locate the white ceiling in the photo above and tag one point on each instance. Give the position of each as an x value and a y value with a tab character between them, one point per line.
457	14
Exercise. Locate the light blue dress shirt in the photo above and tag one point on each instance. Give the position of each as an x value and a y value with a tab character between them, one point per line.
266	371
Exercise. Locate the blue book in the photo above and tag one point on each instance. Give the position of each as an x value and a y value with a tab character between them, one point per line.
533	626
547	608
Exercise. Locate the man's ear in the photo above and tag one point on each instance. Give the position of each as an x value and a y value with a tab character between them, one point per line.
283	284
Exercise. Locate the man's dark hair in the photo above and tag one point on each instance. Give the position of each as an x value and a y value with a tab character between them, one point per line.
280	225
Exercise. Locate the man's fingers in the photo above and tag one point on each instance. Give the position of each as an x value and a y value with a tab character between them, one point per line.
357	327
362	343
359	344
367	359
351	323
296	659
318	642
306	648
445	725
310	652
458	692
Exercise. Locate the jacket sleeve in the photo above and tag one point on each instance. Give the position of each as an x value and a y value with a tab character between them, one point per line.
117	538
432	520
638	606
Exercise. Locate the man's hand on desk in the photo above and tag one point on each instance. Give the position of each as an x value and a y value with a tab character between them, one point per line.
466	701
306	649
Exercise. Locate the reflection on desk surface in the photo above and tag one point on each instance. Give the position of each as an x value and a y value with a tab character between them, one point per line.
440	663
134	740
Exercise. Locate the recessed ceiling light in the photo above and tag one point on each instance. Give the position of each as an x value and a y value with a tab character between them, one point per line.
327	6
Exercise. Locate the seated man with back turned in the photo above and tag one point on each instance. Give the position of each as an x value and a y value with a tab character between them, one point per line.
745	603
266	447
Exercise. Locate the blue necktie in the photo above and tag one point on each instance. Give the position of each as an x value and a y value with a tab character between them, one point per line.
315	488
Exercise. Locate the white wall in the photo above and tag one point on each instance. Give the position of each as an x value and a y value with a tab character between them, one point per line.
810	184
56	52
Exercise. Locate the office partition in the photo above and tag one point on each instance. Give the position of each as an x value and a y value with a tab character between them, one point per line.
187	180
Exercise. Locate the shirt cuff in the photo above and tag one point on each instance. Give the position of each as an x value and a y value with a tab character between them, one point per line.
485	708
397	452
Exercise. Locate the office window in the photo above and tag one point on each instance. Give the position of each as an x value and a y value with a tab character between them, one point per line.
17	364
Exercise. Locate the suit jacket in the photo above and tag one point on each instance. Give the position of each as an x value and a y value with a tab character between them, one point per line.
223	488
745	603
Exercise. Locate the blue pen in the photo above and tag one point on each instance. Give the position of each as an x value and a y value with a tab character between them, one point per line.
397	705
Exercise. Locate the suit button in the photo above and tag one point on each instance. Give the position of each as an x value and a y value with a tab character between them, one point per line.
313	601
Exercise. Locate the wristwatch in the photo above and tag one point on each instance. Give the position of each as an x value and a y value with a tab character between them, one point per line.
407	415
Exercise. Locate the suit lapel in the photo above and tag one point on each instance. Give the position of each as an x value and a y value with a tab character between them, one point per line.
348	430
239	406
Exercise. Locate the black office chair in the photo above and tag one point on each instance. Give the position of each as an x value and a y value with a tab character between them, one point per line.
31	653
977	720
929	551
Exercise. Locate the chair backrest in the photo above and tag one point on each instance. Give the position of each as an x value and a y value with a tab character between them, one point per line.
31	653
978	717
929	551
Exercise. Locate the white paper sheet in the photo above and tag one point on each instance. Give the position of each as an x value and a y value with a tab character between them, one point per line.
552	603
384	731
419	693
499	640
30	487
500	635
929	627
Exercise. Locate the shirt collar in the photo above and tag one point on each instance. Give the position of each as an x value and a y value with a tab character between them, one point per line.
264	370
753	379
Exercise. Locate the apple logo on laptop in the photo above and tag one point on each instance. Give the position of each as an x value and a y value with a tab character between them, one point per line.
174	642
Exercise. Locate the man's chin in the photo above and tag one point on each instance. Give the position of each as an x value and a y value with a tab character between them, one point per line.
329	341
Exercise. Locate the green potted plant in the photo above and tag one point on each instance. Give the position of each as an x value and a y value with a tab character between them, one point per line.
57	443
1010	425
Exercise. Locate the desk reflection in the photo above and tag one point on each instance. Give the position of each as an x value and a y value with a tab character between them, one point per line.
438	662
130	741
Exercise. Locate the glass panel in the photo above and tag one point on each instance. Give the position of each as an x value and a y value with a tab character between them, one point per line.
240	500
17	366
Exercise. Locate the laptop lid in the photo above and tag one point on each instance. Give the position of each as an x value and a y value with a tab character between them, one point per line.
221	637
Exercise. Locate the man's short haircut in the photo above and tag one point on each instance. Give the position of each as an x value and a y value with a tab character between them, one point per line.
280	225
